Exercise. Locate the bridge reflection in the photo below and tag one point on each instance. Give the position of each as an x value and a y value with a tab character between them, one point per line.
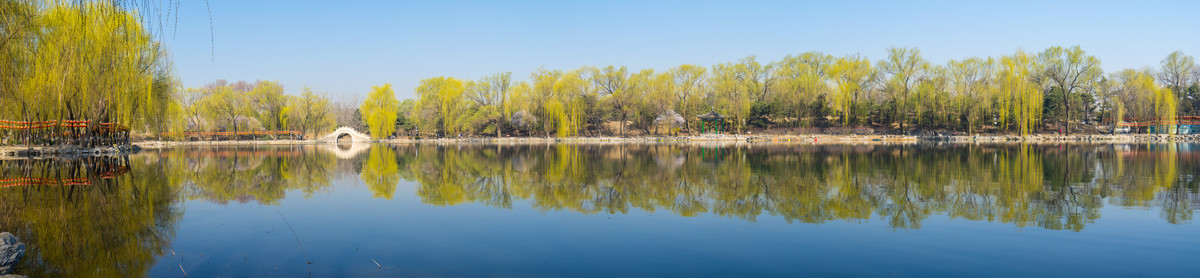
130	206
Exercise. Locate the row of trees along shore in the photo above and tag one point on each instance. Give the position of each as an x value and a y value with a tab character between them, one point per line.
1060	89
242	108
96	62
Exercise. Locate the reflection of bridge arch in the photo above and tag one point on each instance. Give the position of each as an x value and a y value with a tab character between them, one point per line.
347	152
343	132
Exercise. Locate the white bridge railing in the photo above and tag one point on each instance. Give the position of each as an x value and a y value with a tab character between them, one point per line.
355	136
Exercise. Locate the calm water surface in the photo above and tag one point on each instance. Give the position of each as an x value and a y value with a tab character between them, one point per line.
611	210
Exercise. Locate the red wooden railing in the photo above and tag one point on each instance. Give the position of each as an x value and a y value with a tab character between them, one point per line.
106	127
25	181
230	133
1155	121
49	133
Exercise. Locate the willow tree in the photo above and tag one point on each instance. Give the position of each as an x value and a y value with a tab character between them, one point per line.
270	104
689	82
802	81
852	77
903	69
659	102
1145	99
1019	91
310	113
573	90
69	60
1176	71
1131	89
379	111
520	107
226	105
490	96
757	78
543	98
1070	69
931	101
164	110
93	61
729	94
18	43
440	104
650	96
1167	107
971	79
613	84
191	104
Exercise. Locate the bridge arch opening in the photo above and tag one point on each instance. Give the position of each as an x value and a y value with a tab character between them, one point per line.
344	138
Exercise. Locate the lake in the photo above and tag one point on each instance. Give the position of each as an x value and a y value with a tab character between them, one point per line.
611	210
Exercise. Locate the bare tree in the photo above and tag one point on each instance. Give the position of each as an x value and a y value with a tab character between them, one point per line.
1070	69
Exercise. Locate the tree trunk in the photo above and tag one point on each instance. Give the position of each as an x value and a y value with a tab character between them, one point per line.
1067	120
622	124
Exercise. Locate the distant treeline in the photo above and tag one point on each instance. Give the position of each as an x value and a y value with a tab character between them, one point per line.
242	106
96	61
1058	89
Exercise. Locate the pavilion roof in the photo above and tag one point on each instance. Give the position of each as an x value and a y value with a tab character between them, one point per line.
711	115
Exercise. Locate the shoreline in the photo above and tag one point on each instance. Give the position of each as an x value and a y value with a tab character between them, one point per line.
833	139
18	152
752	139
36	152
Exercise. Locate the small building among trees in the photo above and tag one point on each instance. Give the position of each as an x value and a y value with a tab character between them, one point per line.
712	122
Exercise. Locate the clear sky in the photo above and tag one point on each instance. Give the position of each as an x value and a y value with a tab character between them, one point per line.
345	47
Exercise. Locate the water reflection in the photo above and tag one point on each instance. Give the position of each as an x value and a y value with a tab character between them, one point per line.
106	217
115	216
1053	187
250	174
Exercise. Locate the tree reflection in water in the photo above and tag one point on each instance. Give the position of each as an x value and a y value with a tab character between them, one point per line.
114	216
103	216
1053	187
261	174
1049	186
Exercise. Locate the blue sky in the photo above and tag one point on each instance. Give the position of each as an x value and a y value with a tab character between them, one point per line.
345	47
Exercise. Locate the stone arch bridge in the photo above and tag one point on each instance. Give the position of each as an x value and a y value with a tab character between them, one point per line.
344	133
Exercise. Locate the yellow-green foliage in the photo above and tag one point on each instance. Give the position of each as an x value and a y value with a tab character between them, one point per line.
82	60
380	172
1143	98
1018	92
731	95
1166	105
311	112
270	104
851	75
440	105
1003	94
379	111
570	91
226	106
802	81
